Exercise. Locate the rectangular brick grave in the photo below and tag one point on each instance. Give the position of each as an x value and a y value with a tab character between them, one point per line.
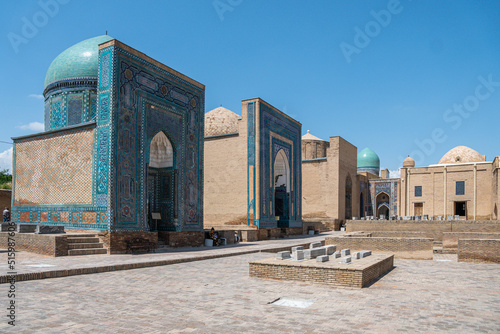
357	274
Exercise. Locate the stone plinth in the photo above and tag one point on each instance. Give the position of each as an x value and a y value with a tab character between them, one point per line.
358	273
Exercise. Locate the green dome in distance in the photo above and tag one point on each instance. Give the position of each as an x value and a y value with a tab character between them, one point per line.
368	158
78	61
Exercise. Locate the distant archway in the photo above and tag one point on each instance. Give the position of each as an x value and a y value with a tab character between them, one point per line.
361	206
348	197
281	188
382	202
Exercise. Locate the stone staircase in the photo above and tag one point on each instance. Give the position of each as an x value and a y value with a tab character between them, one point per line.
85	245
438	248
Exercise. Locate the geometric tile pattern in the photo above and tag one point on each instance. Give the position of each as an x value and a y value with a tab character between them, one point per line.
54	169
278	132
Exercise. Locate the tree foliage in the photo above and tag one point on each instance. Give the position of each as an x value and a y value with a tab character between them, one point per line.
5	177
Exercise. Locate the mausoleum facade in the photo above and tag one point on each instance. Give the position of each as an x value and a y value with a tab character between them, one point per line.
123	144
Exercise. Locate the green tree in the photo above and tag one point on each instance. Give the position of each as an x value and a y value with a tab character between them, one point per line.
5	177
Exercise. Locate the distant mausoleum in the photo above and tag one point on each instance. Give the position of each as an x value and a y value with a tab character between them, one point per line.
463	185
253	168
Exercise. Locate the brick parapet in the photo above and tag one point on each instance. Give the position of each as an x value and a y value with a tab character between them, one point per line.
479	250
403	248
51	245
354	275
432	228
450	239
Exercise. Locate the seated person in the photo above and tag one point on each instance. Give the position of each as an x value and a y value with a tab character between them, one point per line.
215	237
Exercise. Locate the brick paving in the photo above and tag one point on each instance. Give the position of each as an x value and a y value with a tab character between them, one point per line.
217	296
34	266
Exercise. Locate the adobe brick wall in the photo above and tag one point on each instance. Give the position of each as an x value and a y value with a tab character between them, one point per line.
397	234
184	239
479	250
294	231
5	199
249	235
321	273
50	245
432	228
116	242
373	272
403	248
450	239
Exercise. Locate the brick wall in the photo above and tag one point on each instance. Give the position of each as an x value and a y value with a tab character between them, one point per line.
184	239
479	250
450	239
432	228
403	248
5	199
51	245
324	274
117	242
373	272
397	234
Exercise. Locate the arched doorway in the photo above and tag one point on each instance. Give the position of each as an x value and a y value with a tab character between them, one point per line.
348	197
161	180
382	201
361	206
281	188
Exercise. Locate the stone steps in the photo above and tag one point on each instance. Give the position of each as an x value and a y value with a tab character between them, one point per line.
87	251
85	245
82	240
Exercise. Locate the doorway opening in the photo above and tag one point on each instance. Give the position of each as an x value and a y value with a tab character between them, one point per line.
281	189
418	209
383	205
348	198
161	181
461	209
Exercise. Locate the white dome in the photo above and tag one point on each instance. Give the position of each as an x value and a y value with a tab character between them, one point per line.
461	154
220	121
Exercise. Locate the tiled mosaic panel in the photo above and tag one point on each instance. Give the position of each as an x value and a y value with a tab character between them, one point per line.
75	108
55	169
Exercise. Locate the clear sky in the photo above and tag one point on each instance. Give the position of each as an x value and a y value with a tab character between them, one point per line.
401	77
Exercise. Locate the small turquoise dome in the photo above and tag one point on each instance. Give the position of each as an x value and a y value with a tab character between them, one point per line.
78	61
368	158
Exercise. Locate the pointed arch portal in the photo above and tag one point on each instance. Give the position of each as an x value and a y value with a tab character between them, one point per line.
161	181
281	188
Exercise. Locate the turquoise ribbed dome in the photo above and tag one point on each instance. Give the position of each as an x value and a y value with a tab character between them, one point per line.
368	158
78	61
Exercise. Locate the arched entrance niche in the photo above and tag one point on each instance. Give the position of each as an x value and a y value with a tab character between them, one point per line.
361	206
281	188
161	184
382	201
348	197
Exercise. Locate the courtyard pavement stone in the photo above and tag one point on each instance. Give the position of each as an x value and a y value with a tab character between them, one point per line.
218	296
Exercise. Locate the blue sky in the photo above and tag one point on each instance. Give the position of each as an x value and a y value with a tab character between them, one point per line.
401	77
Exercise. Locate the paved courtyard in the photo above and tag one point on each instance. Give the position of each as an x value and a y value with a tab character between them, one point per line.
217	296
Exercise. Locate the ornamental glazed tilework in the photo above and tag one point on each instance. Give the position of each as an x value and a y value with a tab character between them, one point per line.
251	162
95	177
151	100
69	107
272	122
389	187
54	169
105	71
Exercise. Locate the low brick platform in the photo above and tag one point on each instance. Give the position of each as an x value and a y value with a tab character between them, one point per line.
479	250
358	274
450	239
402	248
